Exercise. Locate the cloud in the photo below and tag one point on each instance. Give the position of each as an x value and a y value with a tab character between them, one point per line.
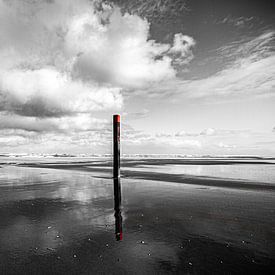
143	113
66	124
222	132
226	146
253	49
59	58
208	132
132	136
48	93
36	70
12	140
238	22
182	49
210	141
25	123
63	61
64	135
249	71
118	53
212	132
155	10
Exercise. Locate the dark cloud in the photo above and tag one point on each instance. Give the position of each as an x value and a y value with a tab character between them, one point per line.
35	107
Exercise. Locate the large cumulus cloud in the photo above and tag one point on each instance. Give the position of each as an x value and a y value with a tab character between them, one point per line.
62	56
62	60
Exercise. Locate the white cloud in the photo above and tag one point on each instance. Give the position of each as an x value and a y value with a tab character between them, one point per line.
136	115
65	124
76	135
208	132
210	141
12	140
120	53
62	60
48	92
98	45
249	71
36	70
238	22
212	132
182	49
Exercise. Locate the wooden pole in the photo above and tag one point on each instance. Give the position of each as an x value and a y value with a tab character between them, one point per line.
116	144
116	175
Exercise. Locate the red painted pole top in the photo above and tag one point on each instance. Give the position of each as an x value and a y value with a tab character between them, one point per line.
116	118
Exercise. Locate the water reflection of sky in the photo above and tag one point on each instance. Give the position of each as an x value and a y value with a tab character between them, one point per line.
251	172
61	221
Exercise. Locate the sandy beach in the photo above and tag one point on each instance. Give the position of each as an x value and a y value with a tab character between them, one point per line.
137	137
60	218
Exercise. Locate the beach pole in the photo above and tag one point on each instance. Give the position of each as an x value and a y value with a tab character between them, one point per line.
116	144
116	176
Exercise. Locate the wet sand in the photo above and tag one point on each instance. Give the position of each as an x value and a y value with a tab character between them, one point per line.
59	218
104	169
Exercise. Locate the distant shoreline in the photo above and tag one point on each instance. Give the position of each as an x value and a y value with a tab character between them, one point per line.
135	156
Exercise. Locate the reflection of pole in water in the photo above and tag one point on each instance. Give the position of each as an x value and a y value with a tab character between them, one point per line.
116	174
118	217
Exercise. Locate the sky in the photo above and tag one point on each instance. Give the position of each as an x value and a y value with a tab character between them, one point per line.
188	77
